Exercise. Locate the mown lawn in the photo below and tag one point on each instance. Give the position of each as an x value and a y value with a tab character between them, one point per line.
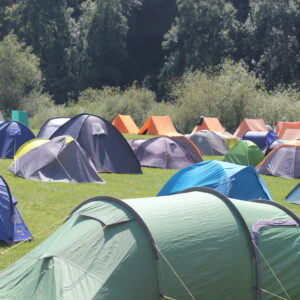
45	205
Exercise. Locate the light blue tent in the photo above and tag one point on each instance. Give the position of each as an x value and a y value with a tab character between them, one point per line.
234	181
12	226
294	195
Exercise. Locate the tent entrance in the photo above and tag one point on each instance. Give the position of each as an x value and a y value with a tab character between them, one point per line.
277	255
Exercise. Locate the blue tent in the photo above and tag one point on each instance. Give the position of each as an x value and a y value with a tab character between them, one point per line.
12	226
234	181
13	135
261	139
294	195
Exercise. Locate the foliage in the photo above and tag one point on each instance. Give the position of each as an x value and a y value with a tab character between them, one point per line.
20	76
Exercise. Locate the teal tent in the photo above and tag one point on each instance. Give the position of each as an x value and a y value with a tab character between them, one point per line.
244	153
194	245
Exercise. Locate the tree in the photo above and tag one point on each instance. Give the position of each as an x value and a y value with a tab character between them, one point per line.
200	36
4	24
44	25
20	75
273	40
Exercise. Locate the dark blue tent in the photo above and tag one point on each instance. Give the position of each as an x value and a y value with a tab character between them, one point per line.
234	181
294	195
12	226
261	139
13	135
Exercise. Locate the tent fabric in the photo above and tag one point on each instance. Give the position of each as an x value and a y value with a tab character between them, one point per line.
13	135
244	153
274	145
50	126
230	138
231	180
250	125
158	125
209	143
288	130
212	124
59	160
125	124
294	195
167	153
261	139
12	225
103	143
131	249
283	161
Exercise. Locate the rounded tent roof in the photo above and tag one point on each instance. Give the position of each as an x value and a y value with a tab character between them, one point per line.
231	180
183	246
51	125
283	161
60	159
209	142
167	153
103	143
244	153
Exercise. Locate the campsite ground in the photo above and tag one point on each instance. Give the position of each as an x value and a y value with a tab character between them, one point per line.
44	206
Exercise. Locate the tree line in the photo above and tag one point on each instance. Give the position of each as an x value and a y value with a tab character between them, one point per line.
81	44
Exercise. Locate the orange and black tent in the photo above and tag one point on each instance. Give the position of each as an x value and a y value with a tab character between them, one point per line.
288	130
212	124
125	124
158	125
250	125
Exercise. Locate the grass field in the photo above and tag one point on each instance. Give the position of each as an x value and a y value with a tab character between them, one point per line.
44	206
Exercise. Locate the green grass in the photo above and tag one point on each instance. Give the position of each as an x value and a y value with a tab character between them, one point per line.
45	205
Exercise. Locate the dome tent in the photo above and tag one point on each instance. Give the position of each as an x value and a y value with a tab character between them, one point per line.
209	142
12	225
147	248
167	152
104	144
244	153
234	181
59	160
51	125
13	135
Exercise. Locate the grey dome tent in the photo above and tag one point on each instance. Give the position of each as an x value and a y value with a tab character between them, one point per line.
104	144
209	142
59	160
167	153
51	125
194	245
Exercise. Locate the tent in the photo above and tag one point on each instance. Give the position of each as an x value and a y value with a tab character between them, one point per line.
125	124
13	135
104	144
167	153
209	143
283	161
230	138
194	245
212	124
244	153
51	125
274	145
12	225
250	125
234	181
288	130
158	125
135	143
294	195
261	139
59	160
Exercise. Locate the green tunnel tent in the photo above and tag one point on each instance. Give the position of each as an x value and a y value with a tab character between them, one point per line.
197	244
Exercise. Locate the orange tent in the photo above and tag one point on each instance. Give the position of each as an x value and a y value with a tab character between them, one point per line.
125	124
250	125
212	124
158	125
288	130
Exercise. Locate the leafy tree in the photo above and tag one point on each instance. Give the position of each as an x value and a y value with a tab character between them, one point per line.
242	7
200	36
20	75
273	40
44	25
4	24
